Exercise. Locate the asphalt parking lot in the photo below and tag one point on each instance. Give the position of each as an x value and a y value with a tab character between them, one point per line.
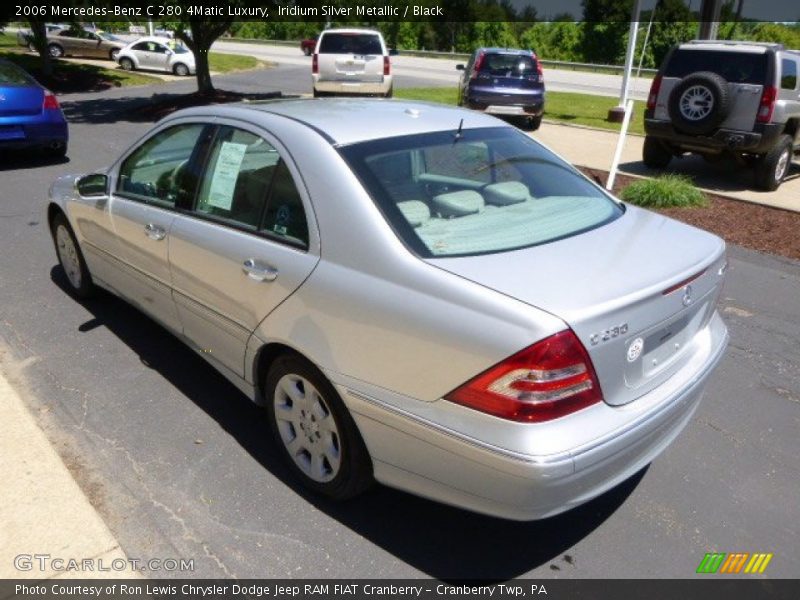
178	462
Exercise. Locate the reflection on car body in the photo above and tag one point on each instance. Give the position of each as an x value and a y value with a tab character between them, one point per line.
412	292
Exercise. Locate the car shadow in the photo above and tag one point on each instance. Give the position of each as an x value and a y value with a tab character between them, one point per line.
723	175
441	541
12	160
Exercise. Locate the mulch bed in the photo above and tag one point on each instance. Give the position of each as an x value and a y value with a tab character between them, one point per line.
753	226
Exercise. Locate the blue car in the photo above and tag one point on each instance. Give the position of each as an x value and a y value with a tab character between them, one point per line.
504	82
30	116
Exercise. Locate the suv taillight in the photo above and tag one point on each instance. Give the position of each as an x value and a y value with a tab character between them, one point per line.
655	87
548	380
539	70
387	66
767	104
477	67
315	64
50	101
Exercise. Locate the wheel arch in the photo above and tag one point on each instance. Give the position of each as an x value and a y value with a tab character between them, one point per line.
792	128
265	356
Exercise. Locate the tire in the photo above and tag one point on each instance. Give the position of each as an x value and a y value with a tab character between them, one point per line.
31	47
533	123
772	167
59	151
126	64
316	435
181	70
655	154
307	51
70	257
318	94
55	51
114	54
699	103
390	93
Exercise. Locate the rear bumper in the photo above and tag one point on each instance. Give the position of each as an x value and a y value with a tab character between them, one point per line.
506	102
352	87
420	456
757	142
35	133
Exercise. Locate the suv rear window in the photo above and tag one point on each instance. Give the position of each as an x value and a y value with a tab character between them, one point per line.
507	65
488	190
350	43
736	67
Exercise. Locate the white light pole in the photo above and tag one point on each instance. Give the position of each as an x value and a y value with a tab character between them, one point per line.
617	114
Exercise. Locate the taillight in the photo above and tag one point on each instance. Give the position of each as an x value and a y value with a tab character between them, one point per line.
548	380
655	87
50	101
387	66
477	67
315	64
539	71
767	104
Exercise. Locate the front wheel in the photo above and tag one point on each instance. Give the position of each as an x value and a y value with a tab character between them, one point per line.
126	64
180	70
771	169
316	434
71	258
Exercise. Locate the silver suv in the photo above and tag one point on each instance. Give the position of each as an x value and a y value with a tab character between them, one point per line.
717	98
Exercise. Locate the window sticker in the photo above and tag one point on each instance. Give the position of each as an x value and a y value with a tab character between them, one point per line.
226	172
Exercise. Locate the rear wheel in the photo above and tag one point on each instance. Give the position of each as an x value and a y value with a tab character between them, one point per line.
181	70
126	64
114	54
533	123
655	154
771	169
55	50
71	258
316	434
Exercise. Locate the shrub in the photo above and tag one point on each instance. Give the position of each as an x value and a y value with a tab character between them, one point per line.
664	191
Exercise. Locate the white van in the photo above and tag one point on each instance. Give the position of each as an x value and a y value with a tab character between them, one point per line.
351	61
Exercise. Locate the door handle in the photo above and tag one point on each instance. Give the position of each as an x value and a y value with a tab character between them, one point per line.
154	232
258	272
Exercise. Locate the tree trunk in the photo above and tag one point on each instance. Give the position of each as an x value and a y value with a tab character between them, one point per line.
204	84
39	32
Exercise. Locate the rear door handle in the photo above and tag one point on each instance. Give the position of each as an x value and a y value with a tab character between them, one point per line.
154	232
259	272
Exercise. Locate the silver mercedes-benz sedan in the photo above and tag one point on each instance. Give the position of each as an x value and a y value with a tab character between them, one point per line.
419	295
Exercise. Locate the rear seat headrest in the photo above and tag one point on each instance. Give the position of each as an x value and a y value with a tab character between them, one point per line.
505	193
458	204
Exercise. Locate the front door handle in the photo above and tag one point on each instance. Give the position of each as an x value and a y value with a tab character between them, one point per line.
259	272
154	232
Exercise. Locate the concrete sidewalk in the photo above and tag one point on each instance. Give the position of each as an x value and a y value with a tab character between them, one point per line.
44	515
595	148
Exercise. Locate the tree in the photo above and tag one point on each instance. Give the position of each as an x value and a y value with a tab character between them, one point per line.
39	39
606	24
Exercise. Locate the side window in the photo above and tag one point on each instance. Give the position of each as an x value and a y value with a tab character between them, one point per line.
788	74
237	178
140	46
157	170
286	218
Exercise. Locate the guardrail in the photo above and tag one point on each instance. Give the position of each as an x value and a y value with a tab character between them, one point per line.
555	64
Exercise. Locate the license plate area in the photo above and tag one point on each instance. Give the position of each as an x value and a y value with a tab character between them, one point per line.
12	132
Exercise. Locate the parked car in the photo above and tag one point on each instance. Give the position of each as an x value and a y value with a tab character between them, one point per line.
307	46
351	61
419	294
30	116
738	99
25	36
157	54
78	41
504	82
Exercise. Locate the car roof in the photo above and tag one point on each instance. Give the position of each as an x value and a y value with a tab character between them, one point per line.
518	51
727	46
345	121
153	38
350	30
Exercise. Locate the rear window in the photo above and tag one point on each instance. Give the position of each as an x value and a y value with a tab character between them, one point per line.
11	75
507	65
350	43
736	67
489	190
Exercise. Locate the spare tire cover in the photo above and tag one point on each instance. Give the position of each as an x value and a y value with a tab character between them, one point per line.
699	103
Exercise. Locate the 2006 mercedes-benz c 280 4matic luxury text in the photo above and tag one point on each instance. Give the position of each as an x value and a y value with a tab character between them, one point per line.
419	295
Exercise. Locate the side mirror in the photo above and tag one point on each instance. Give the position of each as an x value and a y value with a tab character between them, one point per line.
92	186
393	52
460	67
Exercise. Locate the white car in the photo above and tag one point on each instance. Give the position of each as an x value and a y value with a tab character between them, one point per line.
351	61
158	54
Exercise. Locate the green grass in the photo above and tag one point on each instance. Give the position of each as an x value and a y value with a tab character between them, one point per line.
567	107
224	63
664	191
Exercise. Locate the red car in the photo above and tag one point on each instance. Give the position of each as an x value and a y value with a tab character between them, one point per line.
307	46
